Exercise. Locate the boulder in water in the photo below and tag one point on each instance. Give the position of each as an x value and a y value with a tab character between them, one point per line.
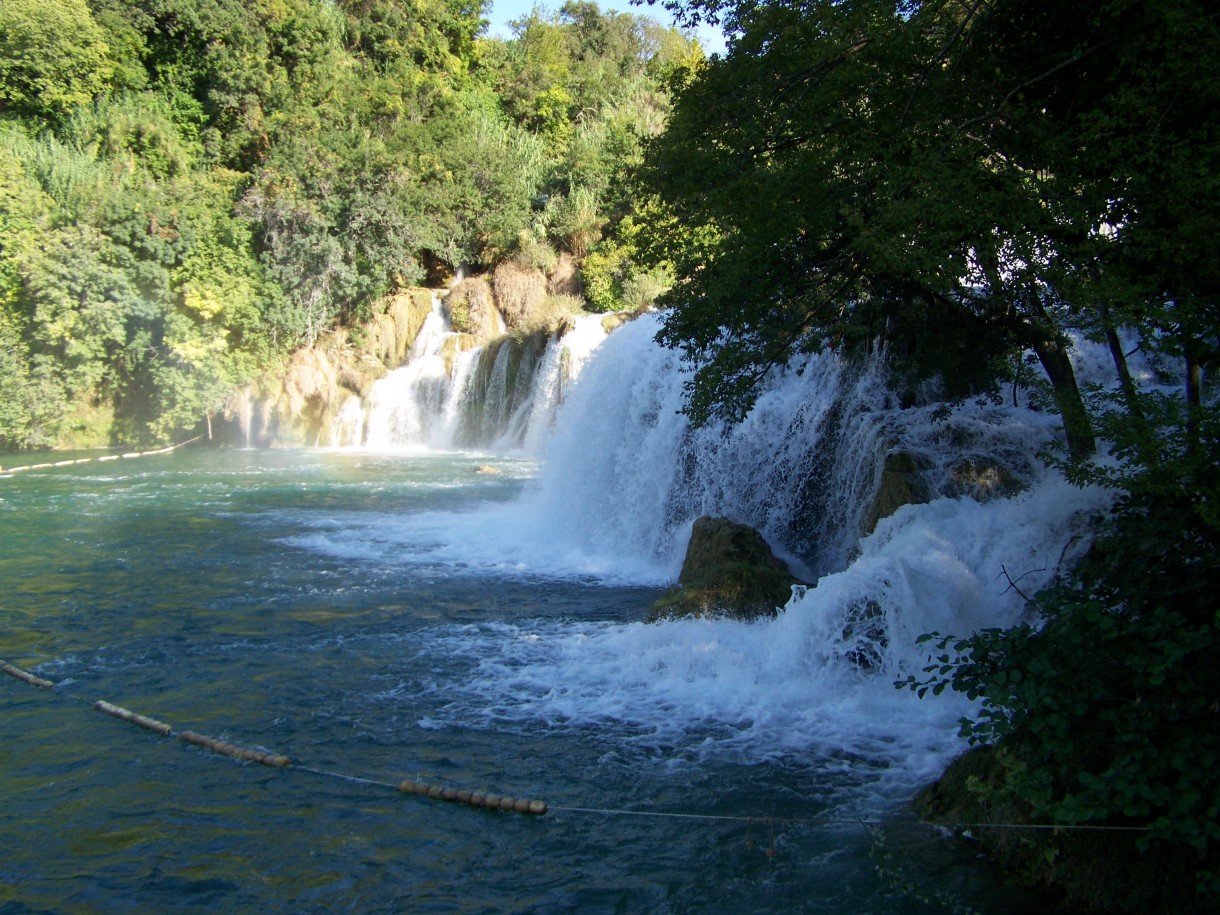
902	484
983	478
729	570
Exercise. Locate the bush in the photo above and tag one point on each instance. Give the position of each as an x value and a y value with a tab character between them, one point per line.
1108	713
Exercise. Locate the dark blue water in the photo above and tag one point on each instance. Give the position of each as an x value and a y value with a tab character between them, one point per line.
212	590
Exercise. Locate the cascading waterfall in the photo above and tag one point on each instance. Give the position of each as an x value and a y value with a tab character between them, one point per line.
624	473
623	477
245	416
500	396
348	428
413	405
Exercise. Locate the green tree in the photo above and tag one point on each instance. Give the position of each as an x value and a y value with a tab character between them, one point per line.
32	401
835	150
53	56
477	184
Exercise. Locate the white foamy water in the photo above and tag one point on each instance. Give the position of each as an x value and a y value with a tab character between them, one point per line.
416	404
622	478
430	399
786	686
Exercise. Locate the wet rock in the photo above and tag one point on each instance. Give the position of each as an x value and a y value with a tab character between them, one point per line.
453	346
902	483
729	570
471	309
615	320
302	406
982	479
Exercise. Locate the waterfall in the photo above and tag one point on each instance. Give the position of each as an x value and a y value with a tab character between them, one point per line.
348	427
413	405
624	471
245	416
452	393
622	476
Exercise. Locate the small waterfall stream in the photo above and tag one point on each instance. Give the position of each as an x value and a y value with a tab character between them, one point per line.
451	393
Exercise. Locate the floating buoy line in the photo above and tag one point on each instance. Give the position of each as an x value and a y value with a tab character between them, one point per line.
241	753
46	465
491	801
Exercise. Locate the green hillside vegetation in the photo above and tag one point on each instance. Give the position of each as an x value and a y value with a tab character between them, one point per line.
191	189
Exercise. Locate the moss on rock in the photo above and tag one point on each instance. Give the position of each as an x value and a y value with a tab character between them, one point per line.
729	570
901	484
472	309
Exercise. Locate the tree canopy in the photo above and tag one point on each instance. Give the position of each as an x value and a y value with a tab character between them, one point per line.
961	181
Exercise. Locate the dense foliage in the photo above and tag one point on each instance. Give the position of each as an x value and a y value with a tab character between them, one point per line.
966	182
969	184
191	188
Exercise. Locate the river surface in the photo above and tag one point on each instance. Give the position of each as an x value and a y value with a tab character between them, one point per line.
335	607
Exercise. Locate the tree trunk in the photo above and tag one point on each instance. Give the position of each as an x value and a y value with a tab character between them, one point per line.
1047	342
1058	367
1147	442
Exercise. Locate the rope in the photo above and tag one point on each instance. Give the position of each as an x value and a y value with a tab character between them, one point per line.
340	776
104	457
609	811
487	801
505	802
823	821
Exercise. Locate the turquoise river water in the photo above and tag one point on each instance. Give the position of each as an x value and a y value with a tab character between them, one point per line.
337	607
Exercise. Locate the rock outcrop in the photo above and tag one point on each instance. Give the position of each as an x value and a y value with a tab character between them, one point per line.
983	478
729	570
316	398
902	483
471	309
300	406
